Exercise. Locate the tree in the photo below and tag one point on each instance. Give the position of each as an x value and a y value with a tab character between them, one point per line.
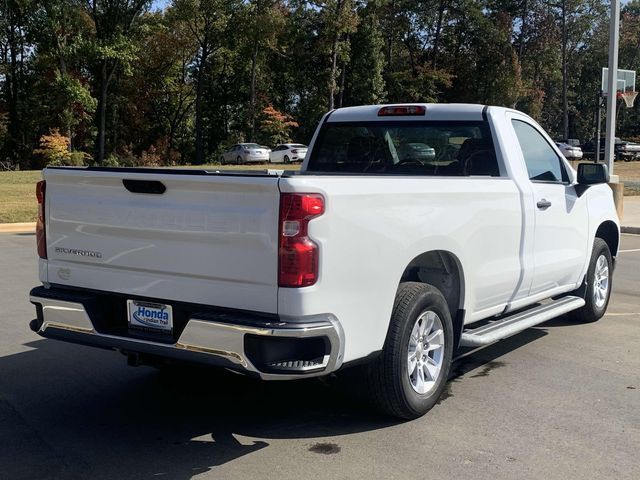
207	21
365	81
58	31
338	20
275	126
14	21
111	48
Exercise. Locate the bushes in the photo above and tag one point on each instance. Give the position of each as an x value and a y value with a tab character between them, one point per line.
54	149
54	152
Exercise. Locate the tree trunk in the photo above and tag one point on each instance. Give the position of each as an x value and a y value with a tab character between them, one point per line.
391	17
12	86
343	74
252	103
334	57
523	30
332	74
565	101
62	65
102	113
198	113
436	39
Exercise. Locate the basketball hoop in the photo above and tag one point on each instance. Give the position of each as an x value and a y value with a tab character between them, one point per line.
628	97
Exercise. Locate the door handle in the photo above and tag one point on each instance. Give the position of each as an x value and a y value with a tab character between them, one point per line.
544	203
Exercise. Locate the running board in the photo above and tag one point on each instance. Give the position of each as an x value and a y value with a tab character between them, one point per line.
505	327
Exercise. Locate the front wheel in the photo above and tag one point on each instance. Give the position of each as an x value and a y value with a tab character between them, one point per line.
407	379
598	284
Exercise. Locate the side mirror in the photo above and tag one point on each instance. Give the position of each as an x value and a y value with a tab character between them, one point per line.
592	173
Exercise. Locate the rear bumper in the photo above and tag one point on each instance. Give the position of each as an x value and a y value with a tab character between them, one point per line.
272	350
256	158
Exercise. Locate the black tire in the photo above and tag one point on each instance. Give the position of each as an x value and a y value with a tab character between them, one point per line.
591	312
222	161
286	159
390	388
238	160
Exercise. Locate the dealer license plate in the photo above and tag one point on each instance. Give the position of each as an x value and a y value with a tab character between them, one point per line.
150	316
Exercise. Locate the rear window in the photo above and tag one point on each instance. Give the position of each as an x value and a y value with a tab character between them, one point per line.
298	145
405	148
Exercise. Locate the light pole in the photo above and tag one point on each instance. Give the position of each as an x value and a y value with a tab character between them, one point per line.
614	31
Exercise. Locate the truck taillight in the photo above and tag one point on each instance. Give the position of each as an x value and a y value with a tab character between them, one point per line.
401	110
41	234
298	254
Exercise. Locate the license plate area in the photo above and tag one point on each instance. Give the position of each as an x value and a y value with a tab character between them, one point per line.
150	317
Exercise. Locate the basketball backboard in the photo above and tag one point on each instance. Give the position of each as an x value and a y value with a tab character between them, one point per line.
626	81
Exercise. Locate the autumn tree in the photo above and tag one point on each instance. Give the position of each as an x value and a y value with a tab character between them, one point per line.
275	126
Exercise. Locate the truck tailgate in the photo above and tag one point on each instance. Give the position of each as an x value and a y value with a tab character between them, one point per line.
208	239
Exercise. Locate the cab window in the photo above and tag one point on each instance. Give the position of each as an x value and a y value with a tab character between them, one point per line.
424	148
543	164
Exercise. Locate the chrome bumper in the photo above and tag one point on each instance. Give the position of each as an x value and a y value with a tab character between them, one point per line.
202	340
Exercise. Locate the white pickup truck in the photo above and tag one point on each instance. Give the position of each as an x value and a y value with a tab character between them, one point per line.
376	255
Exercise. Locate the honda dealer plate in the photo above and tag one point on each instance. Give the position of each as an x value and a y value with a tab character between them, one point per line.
150	316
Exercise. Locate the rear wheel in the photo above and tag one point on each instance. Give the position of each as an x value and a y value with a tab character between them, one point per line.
407	379
222	162
286	159
598	284
238	160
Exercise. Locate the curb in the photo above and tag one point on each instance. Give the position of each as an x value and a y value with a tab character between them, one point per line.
633	230
17	227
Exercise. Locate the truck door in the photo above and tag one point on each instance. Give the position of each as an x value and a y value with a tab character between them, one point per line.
560	216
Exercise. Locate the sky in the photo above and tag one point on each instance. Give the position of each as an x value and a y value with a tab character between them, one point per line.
159	4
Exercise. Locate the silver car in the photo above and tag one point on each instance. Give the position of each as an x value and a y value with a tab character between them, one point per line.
288	152
571	152
245	153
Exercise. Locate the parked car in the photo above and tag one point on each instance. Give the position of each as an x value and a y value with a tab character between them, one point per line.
361	260
627	150
570	152
288	152
416	151
623	149
245	153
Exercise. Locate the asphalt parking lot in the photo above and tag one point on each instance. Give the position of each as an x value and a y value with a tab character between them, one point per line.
561	401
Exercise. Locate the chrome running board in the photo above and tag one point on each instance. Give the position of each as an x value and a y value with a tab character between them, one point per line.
507	326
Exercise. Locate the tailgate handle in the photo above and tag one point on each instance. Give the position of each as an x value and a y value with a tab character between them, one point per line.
153	187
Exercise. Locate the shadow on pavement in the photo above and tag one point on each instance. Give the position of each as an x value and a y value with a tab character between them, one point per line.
74	412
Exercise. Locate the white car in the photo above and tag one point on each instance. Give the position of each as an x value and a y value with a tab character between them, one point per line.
571	152
245	153
363	259
288	152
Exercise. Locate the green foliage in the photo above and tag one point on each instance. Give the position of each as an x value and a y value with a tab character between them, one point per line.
111	161
178	86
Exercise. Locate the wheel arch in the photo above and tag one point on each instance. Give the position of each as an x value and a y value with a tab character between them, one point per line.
608	231
442	270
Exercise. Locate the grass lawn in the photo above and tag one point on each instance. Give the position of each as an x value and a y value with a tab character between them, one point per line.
18	198
18	190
